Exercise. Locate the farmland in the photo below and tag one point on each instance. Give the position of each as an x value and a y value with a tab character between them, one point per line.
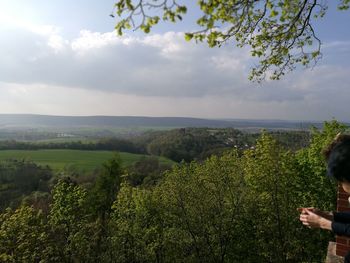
83	160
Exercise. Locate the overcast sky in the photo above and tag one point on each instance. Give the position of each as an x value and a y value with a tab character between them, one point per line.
61	57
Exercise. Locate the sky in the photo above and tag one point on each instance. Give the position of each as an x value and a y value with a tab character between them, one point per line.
62	57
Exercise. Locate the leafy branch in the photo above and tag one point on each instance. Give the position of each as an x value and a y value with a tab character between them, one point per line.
280	33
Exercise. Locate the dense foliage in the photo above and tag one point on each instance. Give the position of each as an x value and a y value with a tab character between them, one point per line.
21	178
189	144
237	207
185	144
107	144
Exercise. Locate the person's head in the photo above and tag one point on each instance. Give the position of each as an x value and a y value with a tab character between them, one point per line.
338	160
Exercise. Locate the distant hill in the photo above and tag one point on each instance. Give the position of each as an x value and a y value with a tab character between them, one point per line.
30	120
23	120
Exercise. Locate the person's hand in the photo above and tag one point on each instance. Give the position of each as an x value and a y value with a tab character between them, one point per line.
310	219
324	214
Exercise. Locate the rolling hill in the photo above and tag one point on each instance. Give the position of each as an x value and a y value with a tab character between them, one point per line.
47	121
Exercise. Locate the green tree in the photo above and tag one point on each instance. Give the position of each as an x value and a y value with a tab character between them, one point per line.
68	222
146	172
280	32
194	215
201	205
313	187
100	199
137	226
106	187
274	189
20	178
23	236
278	182
312	166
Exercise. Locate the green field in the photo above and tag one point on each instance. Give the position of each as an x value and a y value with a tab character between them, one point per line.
83	160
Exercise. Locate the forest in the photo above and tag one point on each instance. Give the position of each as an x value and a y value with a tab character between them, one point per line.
237	204
186	144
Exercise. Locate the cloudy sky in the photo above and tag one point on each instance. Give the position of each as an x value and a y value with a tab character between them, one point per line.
61	57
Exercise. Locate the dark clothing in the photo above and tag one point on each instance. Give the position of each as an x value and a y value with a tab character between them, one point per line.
341	223
347	258
341	227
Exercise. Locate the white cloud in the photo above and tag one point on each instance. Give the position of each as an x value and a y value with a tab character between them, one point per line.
160	75
156	65
93	40
57	43
47	99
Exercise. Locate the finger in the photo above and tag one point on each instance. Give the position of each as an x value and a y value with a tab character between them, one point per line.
304	217
303	220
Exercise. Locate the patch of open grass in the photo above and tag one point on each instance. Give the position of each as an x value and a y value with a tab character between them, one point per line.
83	160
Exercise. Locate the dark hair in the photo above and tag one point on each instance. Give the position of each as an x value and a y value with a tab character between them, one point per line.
338	158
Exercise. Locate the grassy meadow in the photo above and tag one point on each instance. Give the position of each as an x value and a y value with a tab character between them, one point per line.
83	160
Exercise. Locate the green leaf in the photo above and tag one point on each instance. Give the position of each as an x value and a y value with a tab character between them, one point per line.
188	36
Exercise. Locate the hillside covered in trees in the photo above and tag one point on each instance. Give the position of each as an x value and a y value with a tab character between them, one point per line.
186	144
239	206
